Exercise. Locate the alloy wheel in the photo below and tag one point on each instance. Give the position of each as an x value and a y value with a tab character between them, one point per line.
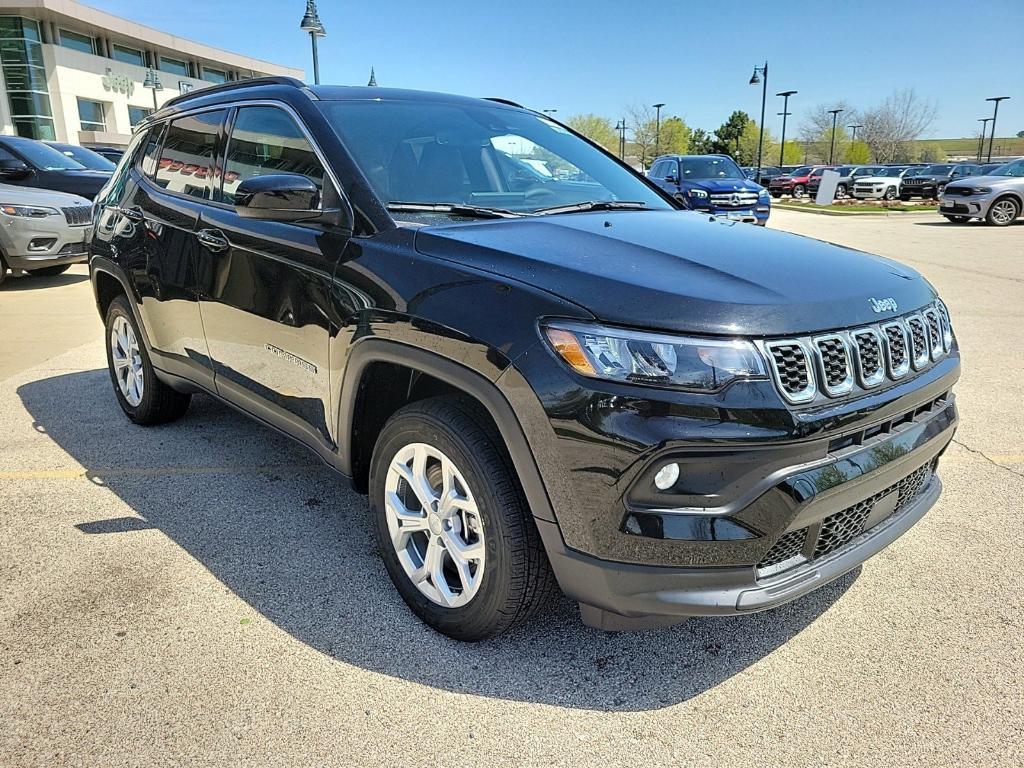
434	525
1003	212
127	360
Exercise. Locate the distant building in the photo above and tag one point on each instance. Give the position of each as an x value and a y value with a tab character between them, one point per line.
75	74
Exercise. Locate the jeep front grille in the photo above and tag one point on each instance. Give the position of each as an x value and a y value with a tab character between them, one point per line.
78	215
837	363
838	530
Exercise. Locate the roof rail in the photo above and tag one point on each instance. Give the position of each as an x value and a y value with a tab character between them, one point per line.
246	83
500	100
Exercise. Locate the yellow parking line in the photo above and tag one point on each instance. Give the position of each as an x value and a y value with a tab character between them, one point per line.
65	474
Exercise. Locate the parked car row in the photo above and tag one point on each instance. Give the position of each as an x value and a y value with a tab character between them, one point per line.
46	189
996	197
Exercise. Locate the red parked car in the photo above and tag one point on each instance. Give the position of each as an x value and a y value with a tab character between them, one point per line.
794	183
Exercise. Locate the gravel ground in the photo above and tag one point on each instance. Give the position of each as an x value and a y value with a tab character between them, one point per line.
206	593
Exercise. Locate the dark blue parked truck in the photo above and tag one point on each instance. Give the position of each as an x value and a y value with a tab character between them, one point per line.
712	183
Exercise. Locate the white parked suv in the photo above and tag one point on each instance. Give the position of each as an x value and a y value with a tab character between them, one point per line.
884	186
998	198
41	231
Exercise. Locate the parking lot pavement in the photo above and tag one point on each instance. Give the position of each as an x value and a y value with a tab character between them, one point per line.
207	593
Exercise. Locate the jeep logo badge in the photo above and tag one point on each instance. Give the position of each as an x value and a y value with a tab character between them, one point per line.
887	304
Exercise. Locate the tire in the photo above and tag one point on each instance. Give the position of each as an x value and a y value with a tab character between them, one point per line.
1003	212
890	194
798	190
938	191
3	273
516	578
956	219
776	195
60	269
905	198
153	402
841	192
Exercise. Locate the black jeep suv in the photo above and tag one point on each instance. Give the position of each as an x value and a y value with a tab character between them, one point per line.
929	182
539	368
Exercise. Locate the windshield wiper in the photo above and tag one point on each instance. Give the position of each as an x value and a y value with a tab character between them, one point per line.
459	209
594	205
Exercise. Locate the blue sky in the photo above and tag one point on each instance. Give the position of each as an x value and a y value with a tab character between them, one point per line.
598	56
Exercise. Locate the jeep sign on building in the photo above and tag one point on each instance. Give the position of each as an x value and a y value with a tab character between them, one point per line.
74	74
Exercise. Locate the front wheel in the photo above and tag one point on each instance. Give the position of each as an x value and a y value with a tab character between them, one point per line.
890	193
60	269
841	192
451	521
798	190
142	396
1003	212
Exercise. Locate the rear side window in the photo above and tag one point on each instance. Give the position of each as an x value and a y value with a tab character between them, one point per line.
266	140
186	160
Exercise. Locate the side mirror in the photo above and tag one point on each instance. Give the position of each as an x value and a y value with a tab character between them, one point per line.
278	197
12	168
671	180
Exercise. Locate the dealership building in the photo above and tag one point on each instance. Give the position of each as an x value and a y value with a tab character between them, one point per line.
75	74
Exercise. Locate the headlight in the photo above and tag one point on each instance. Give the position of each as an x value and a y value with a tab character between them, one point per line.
981	190
763	194
30	211
698	193
635	357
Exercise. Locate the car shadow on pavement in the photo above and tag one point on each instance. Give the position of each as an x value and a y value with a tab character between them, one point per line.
286	535
32	283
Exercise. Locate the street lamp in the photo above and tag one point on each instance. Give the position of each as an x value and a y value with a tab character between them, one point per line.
621	128
311	23
152	81
832	148
785	113
754	80
981	139
854	129
995	114
657	128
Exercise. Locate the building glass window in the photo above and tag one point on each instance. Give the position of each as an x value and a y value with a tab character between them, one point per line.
92	115
137	114
78	41
214	75
174	66
128	55
21	58
186	159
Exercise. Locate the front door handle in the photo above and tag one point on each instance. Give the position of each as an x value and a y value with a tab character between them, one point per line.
132	214
213	240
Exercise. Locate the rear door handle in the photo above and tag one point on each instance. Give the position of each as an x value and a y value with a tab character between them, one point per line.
213	240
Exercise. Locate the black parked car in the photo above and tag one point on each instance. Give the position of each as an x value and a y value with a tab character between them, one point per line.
31	163
537	380
928	182
84	155
113	154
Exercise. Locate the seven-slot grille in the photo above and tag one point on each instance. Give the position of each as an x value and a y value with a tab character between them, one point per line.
866	356
78	215
838	529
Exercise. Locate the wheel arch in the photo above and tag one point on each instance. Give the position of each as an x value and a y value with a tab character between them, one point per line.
421	374
109	282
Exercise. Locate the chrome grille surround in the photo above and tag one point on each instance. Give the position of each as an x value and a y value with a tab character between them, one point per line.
836	364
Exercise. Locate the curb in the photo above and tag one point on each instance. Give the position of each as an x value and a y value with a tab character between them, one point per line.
825	211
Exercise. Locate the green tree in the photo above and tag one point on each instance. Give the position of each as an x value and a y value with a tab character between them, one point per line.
596	128
729	134
858	153
701	142
675	136
793	154
932	153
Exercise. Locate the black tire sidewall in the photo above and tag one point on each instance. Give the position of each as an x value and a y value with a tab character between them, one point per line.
476	619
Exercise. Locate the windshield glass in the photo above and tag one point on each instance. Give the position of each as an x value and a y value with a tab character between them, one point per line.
46	157
803	170
1014	168
479	155
86	157
710	168
937	170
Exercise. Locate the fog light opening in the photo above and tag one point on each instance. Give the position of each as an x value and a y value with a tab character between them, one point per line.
666	476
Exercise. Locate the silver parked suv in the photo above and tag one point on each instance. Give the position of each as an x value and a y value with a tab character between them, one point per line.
998	198
41	231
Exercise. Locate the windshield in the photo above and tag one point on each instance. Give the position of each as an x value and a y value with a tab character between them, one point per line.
710	168
937	170
478	155
1014	168
46	157
86	157
803	170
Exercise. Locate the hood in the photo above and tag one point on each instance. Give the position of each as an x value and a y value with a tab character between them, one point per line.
684	271
988	181
10	193
859	179
722	185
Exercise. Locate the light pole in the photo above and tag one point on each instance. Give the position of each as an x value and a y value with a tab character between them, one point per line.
981	139
657	128
152	81
995	114
785	113
854	129
832	148
311	23
754	80
621	128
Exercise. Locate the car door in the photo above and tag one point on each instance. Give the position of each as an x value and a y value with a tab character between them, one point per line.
267	286
159	216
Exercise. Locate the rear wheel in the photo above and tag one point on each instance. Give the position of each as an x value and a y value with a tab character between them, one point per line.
1003	212
60	269
452	524
142	396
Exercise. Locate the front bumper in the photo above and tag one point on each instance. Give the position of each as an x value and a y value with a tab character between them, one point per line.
30	243
756	215
973	206
873	193
929	190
